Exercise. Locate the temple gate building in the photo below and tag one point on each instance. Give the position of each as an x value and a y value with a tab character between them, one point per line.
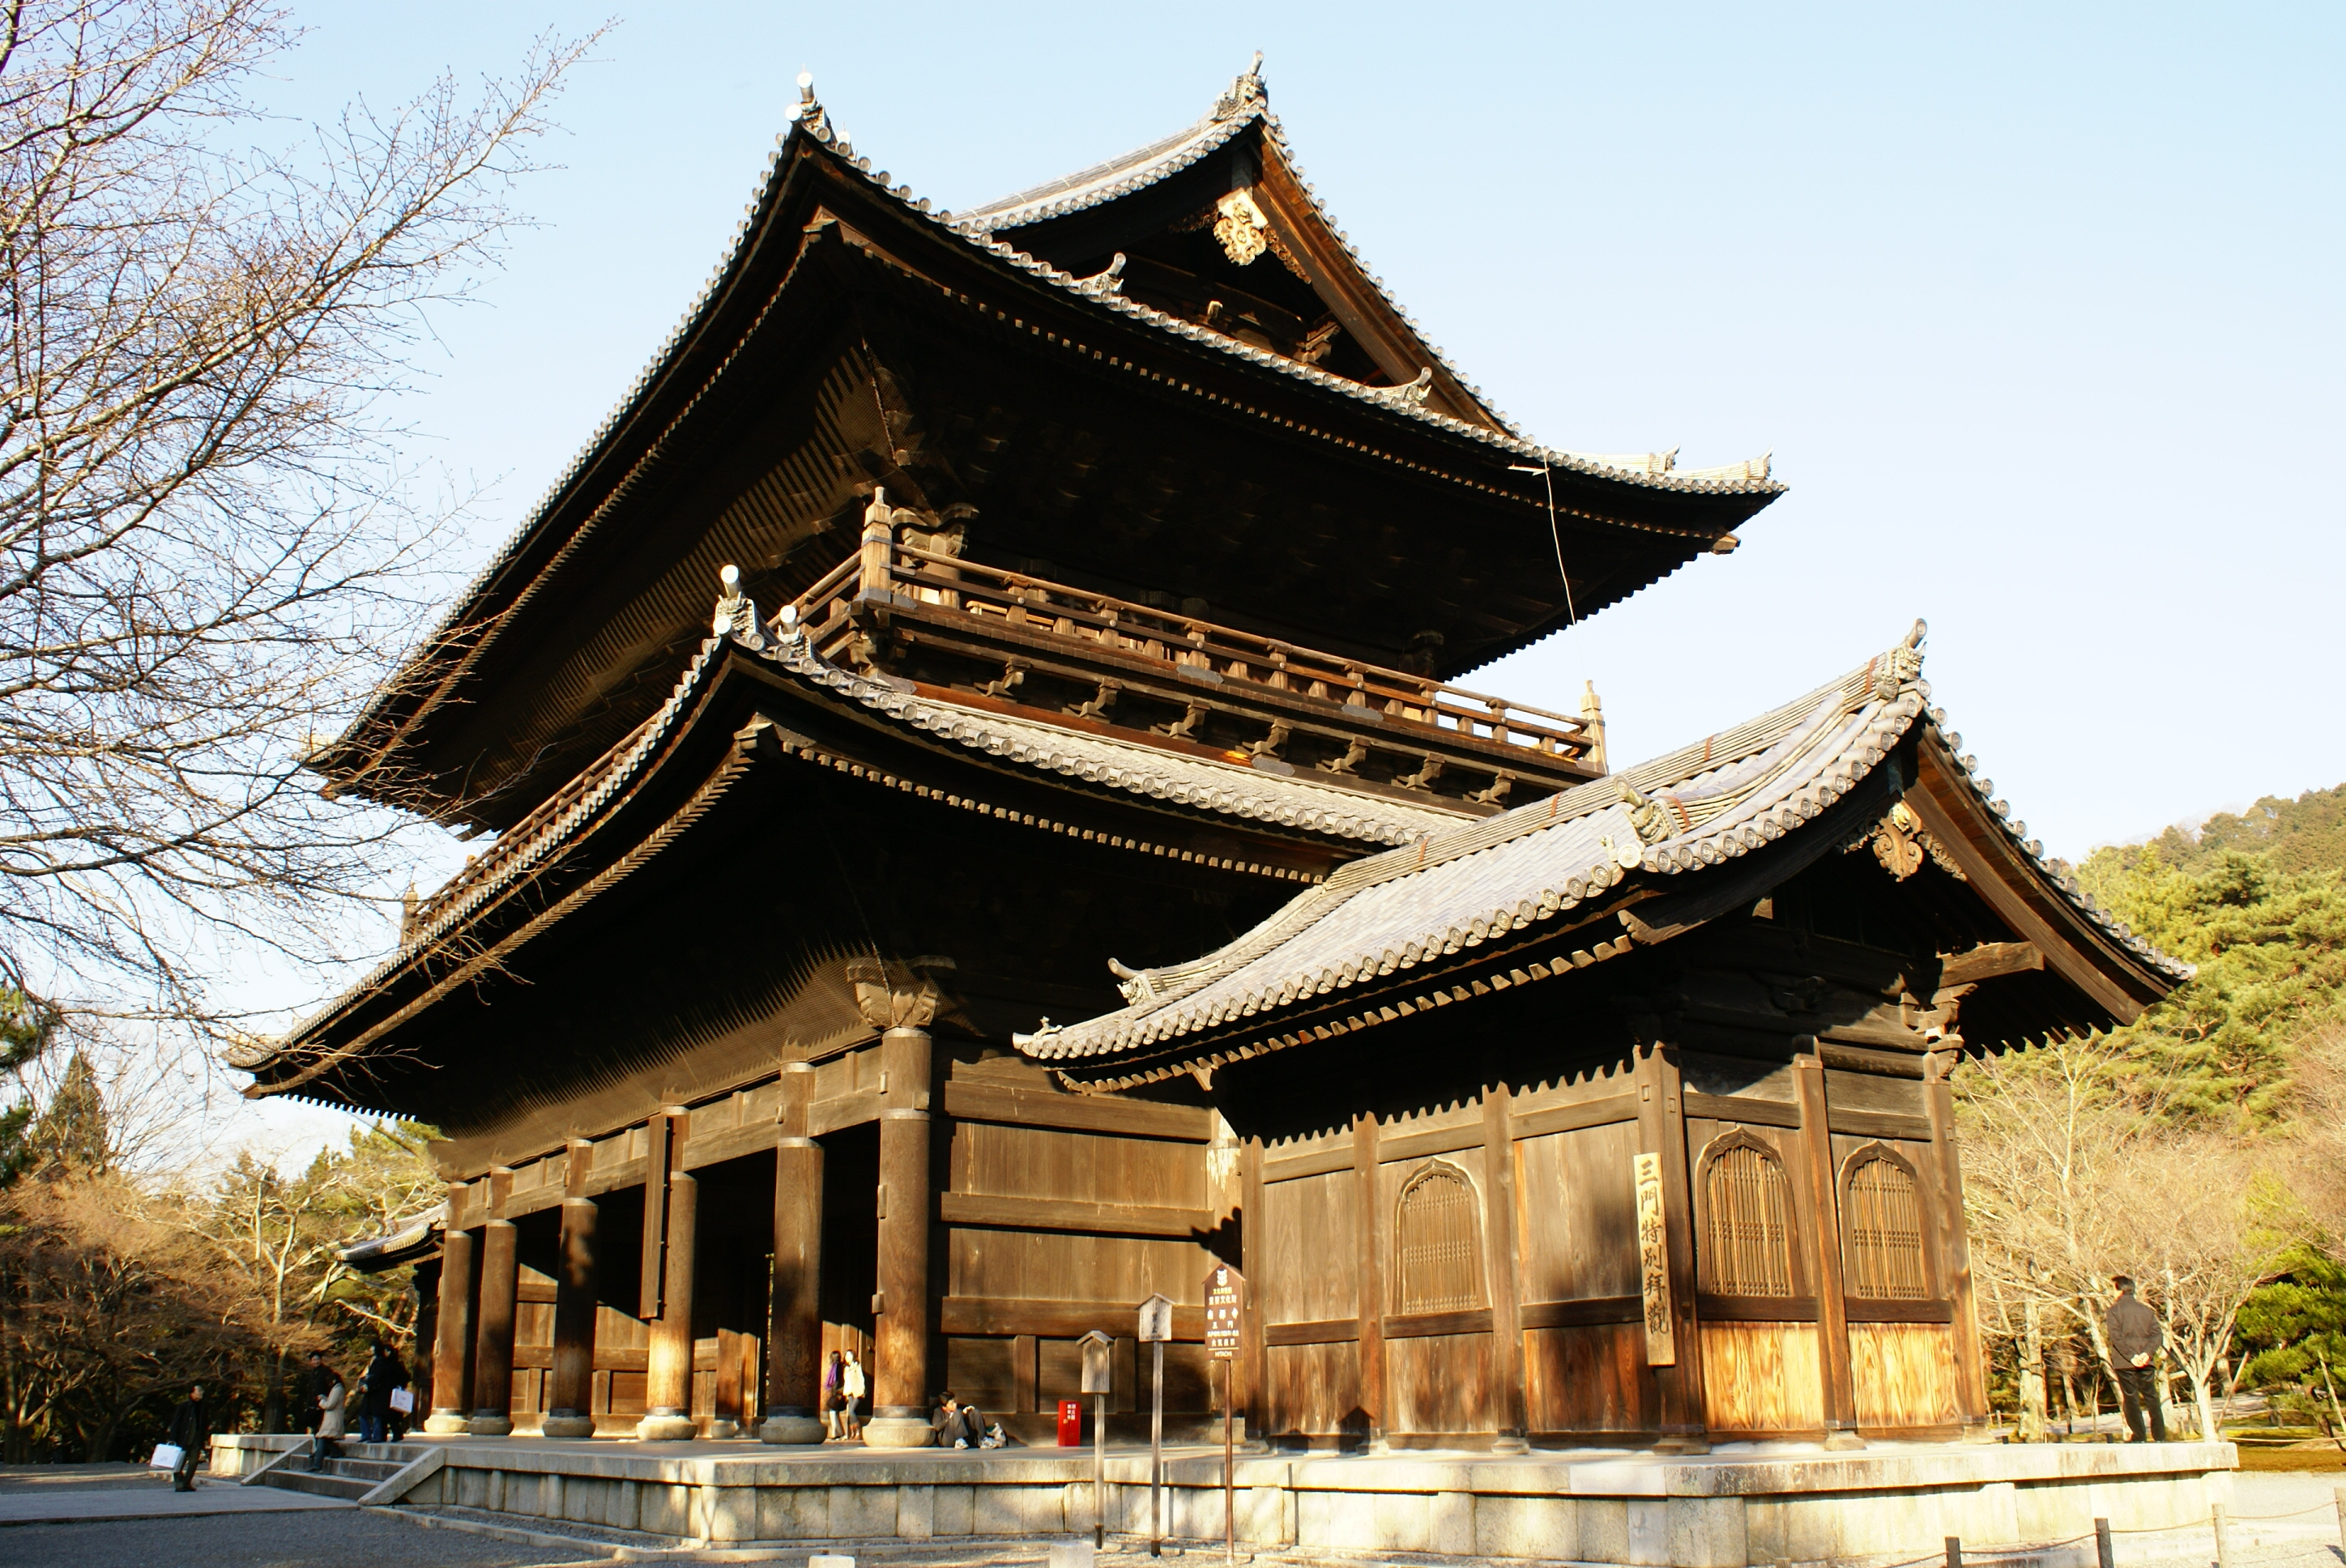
1065	860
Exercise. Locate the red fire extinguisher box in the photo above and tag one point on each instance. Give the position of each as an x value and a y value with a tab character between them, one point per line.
1071	1424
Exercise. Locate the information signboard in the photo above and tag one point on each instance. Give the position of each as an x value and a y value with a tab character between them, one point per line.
1225	1301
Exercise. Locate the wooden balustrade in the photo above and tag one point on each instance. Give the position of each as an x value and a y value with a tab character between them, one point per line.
1034	606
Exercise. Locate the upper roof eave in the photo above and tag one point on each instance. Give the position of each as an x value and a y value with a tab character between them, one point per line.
363	743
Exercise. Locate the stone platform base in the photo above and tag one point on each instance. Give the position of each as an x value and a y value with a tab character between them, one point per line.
1774	1503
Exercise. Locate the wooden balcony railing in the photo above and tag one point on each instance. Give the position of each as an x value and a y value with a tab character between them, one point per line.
926	584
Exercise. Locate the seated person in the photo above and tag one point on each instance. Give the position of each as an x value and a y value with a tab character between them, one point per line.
957	1425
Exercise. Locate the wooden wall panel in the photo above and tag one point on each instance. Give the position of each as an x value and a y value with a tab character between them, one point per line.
979	1372
1059	1374
1589	1379
1576	1211
1761	1378
1060	1266
1905	1374
1044	1162
1309	1272
1439	1383
628	1393
1313	1389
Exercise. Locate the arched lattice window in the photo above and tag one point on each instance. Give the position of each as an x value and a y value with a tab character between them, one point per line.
1747	1219
1881	1227
1438	1242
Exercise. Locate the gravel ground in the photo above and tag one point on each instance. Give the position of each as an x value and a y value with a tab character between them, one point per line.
79	1477
342	1539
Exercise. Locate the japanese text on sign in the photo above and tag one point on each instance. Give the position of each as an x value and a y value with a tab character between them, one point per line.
1654	1264
1225	1299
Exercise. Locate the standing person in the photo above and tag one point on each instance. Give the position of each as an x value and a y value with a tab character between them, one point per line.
851	1384
2134	1338
835	1395
307	1388
383	1373
332	1406
190	1431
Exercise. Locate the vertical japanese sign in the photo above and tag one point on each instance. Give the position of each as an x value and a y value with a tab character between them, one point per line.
1654	1264
1224	1300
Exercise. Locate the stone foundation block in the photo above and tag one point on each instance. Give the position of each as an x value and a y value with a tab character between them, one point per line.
916	1511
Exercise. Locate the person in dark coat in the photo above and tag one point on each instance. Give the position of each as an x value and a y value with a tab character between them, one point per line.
190	1431
2134	1337
383	1373
309	1389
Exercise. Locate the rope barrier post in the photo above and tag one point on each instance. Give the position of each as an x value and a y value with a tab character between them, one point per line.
1954	1552
2223	1537
2103	1552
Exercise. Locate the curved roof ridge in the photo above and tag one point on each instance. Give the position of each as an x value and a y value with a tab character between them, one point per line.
1699	806
1194	781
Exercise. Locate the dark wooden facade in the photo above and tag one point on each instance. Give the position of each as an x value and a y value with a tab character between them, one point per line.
1114	588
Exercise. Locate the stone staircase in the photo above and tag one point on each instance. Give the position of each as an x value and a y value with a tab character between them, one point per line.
360	1468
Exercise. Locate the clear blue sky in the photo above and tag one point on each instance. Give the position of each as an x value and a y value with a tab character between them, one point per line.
2037	309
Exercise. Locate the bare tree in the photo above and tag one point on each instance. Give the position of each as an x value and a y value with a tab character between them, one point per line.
2072	1177
210	550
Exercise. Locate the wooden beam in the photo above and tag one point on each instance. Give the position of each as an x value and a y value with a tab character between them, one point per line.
1369	1242
1078	1113
1334	1332
1008	1316
1744	1108
1880	1125
1499	1243
1988	961
1426	1325
1954	1248
1068	1214
1824	1251
1571	1118
1585	1313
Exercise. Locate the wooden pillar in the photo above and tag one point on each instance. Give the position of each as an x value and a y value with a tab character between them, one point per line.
1661	1130
900	1350
1252	1255
570	1406
795	1321
452	1340
1953	1245
1372	1278
494	1339
668	1382
1824	1256
424	1281
1499	1246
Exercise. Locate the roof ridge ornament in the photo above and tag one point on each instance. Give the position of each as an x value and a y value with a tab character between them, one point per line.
1245	91
807	112
736	612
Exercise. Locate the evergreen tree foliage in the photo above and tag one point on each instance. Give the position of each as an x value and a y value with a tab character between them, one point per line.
25	1028
2270	945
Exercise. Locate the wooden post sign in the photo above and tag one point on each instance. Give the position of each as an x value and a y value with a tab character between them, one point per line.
1225	1297
1654	1264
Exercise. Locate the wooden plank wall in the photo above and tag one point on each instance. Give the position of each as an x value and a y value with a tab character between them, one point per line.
1059	1213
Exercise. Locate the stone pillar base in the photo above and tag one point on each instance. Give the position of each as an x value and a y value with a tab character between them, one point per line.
793	1429
724	1429
1687	1445
569	1426
666	1429
489	1426
898	1432
447	1423
1844	1440
1505	1443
